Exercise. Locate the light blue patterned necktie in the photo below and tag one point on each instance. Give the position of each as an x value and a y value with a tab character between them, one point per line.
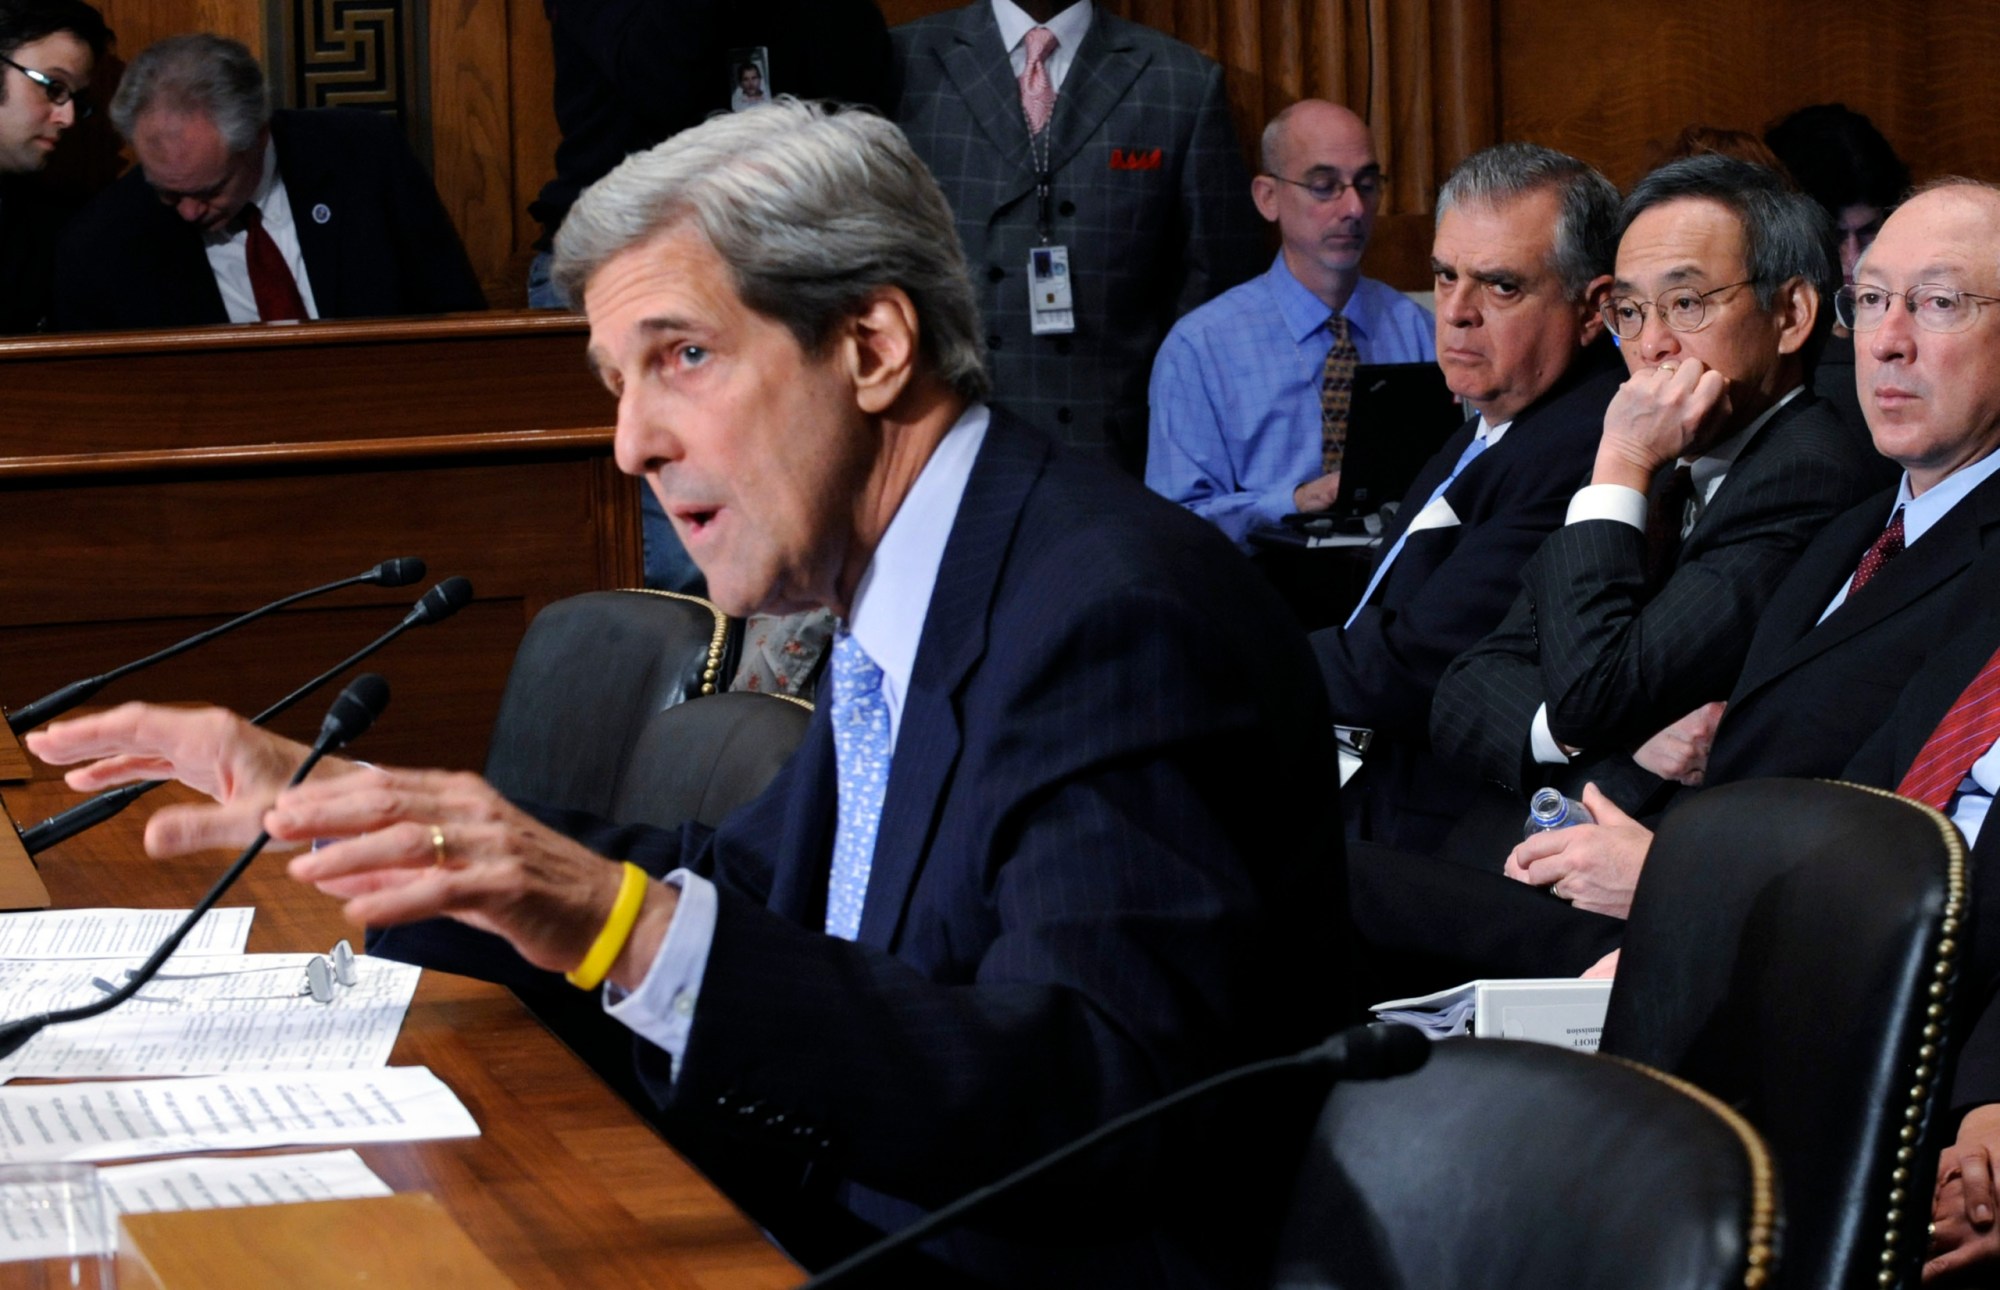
860	718
1473	449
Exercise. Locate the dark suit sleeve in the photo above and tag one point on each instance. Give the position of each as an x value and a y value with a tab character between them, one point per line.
1382	672
1485	704
1225	238
1617	666
1111	925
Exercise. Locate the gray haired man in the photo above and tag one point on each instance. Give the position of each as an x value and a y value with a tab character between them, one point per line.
239	214
1046	851
1521	260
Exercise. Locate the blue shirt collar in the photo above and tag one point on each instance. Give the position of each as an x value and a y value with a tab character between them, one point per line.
1305	313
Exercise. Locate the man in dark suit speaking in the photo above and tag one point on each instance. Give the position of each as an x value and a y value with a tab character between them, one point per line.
237	214
1053	843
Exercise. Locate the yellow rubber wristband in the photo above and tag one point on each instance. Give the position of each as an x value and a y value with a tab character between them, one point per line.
604	951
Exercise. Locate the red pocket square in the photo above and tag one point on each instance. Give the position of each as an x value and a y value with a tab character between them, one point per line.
1135	159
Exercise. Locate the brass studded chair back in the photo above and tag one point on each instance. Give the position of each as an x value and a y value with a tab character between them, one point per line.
1793	950
1504	1164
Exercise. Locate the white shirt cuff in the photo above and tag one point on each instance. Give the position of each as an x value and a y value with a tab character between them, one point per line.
661	1010
1608	502
1547	751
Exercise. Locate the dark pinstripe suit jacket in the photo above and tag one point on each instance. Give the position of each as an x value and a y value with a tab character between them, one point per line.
1147	241
1617	660
1108	862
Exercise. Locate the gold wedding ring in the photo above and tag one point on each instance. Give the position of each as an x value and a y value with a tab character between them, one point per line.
1669	368
437	846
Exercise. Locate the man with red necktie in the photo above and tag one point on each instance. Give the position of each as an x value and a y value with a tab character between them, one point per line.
239	214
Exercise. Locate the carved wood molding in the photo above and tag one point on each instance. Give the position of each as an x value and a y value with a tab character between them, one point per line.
279	455
354	53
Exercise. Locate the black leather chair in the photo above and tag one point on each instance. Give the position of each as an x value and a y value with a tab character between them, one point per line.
1792	949
1508	1165
591	672
702	759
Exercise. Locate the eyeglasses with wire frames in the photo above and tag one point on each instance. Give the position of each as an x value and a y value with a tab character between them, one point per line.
1936	307
1367	185
324	972
57	91
1682	309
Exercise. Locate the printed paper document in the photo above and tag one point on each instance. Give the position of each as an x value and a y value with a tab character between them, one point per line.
127	1119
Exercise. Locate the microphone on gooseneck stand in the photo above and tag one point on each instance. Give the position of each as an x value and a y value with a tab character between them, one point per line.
352	713
437	604
399	572
1379	1050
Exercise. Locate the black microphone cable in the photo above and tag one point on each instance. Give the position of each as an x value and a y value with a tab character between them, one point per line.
1379	1050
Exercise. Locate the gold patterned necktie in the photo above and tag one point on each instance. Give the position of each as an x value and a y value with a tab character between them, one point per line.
1336	392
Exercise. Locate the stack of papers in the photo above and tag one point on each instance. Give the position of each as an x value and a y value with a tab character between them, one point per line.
127	1119
213	1014
264	1064
1564	1011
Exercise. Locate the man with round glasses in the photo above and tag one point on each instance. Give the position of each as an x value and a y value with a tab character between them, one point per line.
1238	401
48	50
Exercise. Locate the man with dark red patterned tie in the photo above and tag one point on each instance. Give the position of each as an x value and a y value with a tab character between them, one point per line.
238	214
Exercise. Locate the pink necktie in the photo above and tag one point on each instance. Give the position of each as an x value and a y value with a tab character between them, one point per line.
1038	92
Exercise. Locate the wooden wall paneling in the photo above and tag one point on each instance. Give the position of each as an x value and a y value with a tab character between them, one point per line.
1631	78
153	485
139	23
531	93
472	143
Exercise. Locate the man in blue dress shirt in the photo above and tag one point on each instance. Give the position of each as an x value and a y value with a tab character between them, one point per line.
1237	412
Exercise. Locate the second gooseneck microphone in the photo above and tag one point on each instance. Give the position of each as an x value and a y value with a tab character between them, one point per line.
437	604
399	572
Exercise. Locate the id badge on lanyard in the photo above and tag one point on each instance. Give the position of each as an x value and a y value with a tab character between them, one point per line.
1051	301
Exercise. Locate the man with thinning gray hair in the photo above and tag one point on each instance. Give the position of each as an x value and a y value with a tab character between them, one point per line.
1521	261
239	214
1045	852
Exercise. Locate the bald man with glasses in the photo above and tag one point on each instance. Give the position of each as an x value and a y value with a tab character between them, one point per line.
48	52
1716	467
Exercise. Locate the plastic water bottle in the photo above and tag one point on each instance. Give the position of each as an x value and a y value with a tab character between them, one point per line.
1548	809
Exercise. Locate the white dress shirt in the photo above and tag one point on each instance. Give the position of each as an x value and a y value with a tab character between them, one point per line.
890	606
1067	27
228	252
1629	506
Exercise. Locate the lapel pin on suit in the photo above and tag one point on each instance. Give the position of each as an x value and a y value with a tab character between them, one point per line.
322	213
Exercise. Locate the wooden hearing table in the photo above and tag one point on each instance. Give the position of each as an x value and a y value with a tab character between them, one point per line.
565	1187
